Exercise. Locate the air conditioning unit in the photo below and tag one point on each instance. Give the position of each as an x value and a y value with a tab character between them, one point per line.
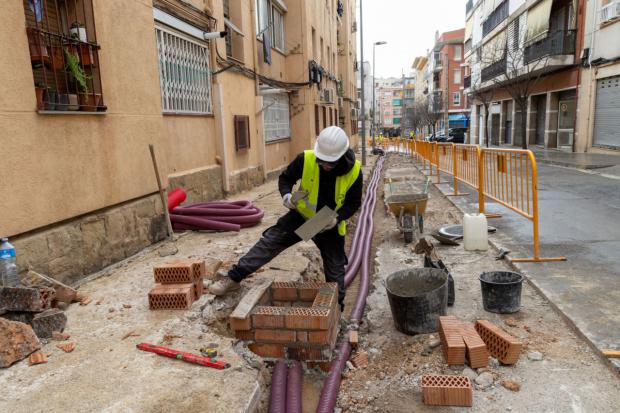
327	95
610	12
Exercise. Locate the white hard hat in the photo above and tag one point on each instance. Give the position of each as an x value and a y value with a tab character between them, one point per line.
331	144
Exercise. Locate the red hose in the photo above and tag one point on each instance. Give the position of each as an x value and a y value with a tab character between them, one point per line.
175	198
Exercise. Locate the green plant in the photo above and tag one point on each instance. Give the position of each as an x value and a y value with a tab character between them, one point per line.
73	67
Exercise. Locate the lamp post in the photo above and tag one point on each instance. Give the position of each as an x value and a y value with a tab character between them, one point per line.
362	78
374	109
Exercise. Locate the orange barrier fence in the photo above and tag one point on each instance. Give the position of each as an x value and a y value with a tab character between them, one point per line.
507	176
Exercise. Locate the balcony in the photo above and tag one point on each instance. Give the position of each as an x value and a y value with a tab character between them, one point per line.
467	46
467	82
494	70
495	18
557	43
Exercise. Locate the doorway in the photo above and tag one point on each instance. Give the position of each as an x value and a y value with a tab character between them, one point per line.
541	109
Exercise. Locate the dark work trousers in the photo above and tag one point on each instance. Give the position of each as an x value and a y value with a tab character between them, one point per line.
281	236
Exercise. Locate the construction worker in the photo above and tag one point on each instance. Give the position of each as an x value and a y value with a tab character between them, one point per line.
331	176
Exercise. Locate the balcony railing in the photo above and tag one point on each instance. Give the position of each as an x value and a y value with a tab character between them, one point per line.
561	42
467	82
469	6
494	70
495	18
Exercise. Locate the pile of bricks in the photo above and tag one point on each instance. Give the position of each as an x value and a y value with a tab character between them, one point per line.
33	306
463	341
179	284
289	320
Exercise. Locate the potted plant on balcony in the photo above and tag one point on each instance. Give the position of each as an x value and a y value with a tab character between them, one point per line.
38	49
78	31
89	101
77	72
39	91
81	46
50	98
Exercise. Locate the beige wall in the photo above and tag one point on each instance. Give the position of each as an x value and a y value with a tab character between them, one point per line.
59	166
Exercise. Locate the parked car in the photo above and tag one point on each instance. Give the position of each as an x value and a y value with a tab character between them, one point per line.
439	137
456	135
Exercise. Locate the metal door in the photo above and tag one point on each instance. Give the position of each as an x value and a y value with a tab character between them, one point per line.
606	119
566	122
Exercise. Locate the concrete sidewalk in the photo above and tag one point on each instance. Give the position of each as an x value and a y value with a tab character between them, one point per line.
579	219
575	160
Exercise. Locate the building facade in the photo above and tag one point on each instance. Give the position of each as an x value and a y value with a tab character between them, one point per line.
86	89
367	96
522	57
389	105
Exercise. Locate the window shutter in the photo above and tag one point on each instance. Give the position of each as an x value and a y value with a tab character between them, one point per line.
242	132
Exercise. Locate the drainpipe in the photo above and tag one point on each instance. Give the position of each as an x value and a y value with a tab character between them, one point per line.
220	131
578	42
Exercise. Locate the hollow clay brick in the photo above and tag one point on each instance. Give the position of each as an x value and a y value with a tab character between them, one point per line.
25	299
307	318
302	336
240	324
268	317
180	271
476	351
500	344
453	345
198	288
171	297
245	335
438	390
275	336
275	351
308	290
284	291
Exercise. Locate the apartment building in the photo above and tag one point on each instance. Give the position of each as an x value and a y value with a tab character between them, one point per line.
408	126
89	84
445	66
420	74
598	122
389	102
527	48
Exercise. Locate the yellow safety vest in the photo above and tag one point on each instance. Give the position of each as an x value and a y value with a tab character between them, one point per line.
310	183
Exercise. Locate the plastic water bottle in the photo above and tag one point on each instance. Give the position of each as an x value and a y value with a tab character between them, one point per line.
8	268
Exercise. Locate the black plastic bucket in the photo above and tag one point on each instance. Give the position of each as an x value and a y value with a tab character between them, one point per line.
501	291
417	298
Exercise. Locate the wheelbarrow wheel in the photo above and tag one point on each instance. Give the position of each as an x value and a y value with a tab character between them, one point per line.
408	228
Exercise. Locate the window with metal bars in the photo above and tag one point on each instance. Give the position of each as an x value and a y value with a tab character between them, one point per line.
184	73
64	54
276	117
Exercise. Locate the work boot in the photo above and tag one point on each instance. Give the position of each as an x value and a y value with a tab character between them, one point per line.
223	286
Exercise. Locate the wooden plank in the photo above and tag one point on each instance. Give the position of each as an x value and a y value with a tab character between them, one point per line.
612	354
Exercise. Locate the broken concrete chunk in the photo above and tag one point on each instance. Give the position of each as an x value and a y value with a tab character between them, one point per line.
17	341
21	316
45	323
25	299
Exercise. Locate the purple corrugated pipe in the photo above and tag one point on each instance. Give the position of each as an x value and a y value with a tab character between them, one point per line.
277	400
219	216
331	386
293	388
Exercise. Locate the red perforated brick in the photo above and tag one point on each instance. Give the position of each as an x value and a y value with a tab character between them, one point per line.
302	336
275	351
240	324
198	288
452	342
275	336
284	291
244	335
307	318
178	272
268	317
308	290
476	354
446	390
327	296
310	353
171	297
500	344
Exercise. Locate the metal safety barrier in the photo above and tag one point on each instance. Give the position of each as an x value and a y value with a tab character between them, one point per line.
506	176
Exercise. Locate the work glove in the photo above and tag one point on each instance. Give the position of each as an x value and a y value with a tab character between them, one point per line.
331	225
286	201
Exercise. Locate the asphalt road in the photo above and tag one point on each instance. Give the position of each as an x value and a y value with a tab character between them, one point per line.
579	219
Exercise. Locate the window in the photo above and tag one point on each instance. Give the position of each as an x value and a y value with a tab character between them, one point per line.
184	73
457	77
270	18
262	16
65	55
242	132
458	53
324	117
278	29
456	98
315	53
276	117
232	21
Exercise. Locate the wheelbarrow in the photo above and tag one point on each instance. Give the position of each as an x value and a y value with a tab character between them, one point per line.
408	205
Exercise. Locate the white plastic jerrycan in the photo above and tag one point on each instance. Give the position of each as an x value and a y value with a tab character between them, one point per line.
475	232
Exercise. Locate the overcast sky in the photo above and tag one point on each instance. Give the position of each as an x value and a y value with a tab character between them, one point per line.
409	28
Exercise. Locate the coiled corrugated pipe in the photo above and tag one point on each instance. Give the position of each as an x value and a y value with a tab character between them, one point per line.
293	388
331	386
277	400
218	216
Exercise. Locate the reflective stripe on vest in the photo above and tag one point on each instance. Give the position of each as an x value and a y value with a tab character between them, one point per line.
310	183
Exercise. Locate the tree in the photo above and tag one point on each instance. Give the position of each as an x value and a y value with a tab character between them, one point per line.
484	96
514	63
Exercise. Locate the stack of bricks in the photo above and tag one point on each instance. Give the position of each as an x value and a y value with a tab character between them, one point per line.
289	320
440	390
179	284
463	341
501	345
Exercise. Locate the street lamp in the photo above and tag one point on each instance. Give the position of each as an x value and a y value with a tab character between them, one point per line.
374	109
